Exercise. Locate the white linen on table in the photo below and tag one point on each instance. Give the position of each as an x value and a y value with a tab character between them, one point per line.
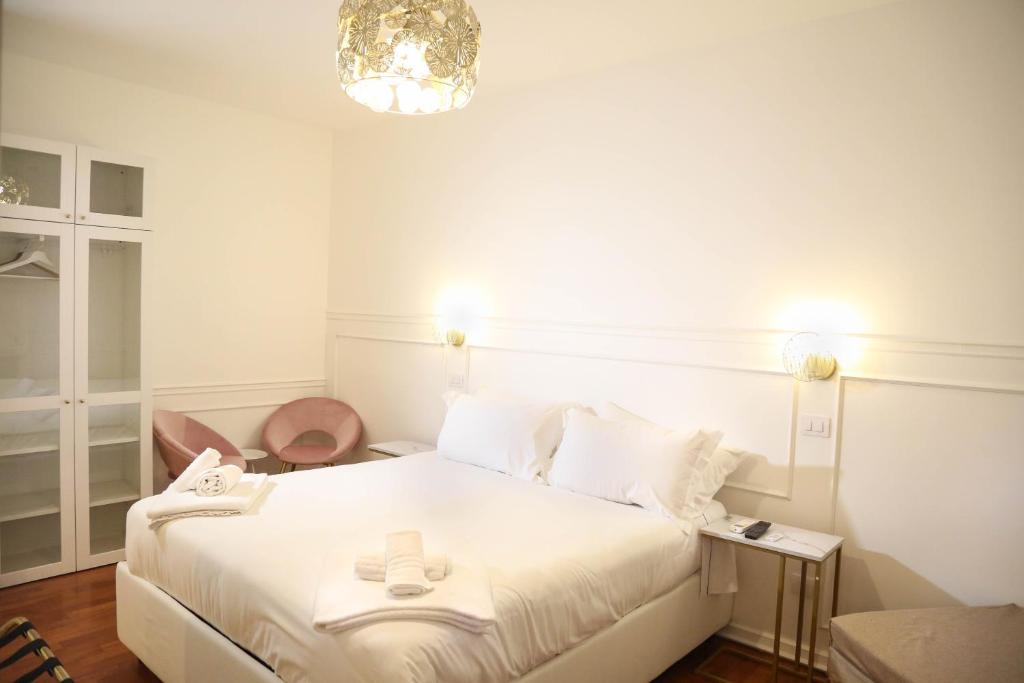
562	567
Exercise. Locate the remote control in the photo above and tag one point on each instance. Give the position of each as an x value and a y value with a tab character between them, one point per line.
757	531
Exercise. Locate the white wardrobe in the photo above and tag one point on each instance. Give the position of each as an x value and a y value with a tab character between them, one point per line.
75	395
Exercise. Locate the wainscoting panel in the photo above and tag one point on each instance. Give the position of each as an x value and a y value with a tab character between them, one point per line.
753	408
396	385
929	484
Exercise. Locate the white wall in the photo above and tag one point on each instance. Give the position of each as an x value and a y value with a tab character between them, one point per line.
241	204
666	214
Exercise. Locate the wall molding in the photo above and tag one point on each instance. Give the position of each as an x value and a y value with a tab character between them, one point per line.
253	385
222	396
878	343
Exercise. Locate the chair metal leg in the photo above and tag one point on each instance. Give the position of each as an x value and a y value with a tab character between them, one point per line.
284	468
800	613
778	618
293	467
814	621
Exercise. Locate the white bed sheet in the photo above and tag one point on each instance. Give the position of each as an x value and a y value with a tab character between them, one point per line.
562	565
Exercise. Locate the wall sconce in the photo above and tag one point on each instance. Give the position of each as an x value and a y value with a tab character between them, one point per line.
459	311
807	357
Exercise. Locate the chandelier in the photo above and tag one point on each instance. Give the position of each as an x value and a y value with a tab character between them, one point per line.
408	56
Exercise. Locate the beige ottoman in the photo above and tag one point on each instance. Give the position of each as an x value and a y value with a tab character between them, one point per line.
929	646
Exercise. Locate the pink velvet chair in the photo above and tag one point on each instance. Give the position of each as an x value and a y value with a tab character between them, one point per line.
180	439
305	415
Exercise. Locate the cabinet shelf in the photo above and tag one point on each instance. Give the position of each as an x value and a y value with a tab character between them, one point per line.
107	543
44	442
26	505
16	561
32	442
110	492
29	277
109	436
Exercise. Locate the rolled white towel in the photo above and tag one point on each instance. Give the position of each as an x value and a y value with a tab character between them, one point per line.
217	481
373	567
405	573
187	480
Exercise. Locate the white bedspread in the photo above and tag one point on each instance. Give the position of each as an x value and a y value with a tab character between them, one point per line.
562	566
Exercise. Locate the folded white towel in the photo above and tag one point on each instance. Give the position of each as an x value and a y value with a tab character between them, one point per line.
174	505
373	566
218	480
187	479
462	600
405	572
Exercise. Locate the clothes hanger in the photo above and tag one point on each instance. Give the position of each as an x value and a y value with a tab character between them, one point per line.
35	257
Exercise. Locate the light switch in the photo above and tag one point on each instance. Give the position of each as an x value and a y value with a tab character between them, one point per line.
816	425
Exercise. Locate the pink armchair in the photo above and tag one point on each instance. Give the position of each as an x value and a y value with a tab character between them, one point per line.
294	419
180	439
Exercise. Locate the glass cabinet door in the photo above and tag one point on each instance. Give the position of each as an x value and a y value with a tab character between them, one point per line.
36	436
113	419
37	179
112	189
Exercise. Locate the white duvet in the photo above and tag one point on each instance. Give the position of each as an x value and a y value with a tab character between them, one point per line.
562	566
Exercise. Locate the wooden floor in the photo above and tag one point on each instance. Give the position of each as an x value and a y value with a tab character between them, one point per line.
75	614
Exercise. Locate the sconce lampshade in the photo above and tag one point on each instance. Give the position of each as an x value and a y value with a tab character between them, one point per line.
806	357
408	56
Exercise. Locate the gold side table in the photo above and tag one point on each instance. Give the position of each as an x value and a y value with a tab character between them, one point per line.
806	547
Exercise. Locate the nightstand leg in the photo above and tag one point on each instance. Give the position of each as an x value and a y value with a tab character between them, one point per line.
835	581
814	621
778	618
800	613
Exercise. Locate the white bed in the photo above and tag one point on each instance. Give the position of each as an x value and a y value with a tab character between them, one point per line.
565	569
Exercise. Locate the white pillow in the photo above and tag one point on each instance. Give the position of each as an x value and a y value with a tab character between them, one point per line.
611	411
722	463
630	461
508	435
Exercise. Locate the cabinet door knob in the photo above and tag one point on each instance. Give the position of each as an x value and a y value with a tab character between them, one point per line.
81	400
67	215
67	402
82	217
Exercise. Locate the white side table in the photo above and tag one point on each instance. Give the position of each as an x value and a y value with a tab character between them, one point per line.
797	544
251	455
397	449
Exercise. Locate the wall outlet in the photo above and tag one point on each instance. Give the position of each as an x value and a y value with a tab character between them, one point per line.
456	380
816	425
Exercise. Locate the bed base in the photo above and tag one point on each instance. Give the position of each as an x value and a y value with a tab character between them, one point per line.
178	646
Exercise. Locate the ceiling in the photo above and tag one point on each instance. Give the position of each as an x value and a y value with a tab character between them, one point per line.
277	56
